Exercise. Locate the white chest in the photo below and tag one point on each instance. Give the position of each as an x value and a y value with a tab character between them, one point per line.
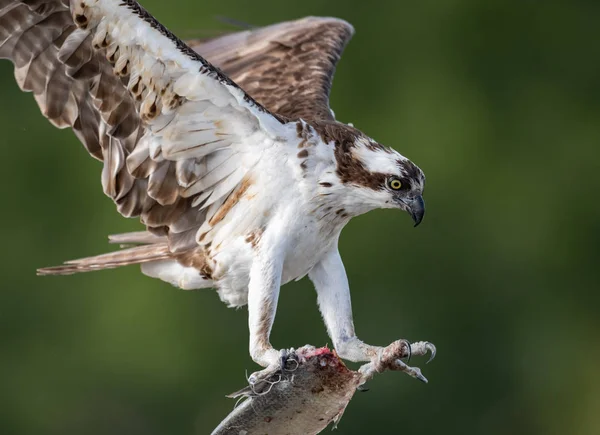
286	199
306	245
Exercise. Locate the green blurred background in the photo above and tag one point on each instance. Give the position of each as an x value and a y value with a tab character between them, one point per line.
498	102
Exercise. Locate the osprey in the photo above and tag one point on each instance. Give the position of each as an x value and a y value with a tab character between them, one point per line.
226	149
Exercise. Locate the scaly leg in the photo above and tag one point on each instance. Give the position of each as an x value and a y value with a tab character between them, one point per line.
390	358
263	294
333	295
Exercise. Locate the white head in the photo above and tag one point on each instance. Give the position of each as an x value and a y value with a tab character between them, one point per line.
373	176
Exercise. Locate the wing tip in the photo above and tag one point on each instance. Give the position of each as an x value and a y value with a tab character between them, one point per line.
330	20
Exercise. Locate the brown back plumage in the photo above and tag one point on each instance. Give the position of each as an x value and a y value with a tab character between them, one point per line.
287	67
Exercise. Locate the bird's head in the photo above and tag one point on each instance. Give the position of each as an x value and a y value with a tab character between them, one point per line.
375	176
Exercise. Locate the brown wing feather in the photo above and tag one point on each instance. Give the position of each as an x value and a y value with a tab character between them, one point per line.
79	90
286	67
79	82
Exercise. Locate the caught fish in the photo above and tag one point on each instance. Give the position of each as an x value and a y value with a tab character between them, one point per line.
308	392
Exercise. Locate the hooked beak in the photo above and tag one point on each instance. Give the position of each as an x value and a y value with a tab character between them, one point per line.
416	209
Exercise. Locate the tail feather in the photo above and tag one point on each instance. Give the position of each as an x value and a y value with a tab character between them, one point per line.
111	260
137	238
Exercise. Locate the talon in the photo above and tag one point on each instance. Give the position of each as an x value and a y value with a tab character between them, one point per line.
420	377
431	348
421	348
409	350
283	356
289	356
415	372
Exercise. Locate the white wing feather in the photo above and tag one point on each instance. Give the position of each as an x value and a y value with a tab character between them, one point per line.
175	134
193	115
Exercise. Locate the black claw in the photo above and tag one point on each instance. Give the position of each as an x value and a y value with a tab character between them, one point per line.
283	357
422	378
287	356
409	351
362	389
431	349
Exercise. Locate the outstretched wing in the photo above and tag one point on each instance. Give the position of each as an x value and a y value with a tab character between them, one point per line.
175	134
286	67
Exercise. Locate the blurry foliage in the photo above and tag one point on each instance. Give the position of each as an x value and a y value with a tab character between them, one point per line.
498	102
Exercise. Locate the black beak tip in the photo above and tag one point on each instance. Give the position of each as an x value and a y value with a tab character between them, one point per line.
417	210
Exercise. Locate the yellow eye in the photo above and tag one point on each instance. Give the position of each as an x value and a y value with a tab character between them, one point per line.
395	184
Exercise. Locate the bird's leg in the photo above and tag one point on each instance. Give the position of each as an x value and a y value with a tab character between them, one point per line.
333	295
383	358
263	294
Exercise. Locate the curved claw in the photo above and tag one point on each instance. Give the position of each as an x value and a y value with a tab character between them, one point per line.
421	378
414	372
431	348
283	357
409	346
418	375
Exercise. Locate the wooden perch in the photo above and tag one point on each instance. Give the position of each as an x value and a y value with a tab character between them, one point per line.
310	391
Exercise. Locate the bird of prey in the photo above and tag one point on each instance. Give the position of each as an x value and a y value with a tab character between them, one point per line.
225	148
